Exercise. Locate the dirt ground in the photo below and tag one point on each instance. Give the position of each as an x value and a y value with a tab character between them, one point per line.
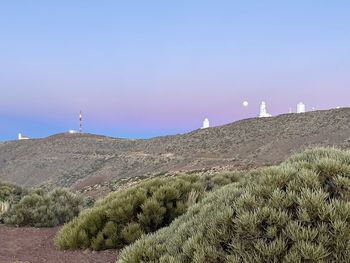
35	245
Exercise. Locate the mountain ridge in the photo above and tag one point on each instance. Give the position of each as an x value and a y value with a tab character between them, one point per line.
80	159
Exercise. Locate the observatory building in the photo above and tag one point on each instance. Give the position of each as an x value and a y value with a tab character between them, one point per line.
205	124
301	107
263	111
22	137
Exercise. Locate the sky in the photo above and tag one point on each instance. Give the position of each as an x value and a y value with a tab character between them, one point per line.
139	69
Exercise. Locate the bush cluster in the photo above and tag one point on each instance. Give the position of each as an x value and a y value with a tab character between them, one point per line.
41	208
124	216
298	211
9	195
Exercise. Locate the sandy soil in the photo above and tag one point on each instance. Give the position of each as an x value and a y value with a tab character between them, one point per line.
35	245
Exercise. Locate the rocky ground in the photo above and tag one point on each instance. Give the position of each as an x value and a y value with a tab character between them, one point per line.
35	245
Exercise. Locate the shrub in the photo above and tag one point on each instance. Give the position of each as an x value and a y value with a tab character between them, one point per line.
298	211
9	195
88	202
44	209
123	216
4	206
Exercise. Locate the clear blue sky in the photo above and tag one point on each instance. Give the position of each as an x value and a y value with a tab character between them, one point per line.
147	68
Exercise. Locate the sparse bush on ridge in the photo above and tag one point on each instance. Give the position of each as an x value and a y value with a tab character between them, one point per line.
122	217
41	208
298	211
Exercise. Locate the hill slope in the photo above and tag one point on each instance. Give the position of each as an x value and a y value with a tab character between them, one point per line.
68	159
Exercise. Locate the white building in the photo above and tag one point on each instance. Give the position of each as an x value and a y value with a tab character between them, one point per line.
22	137
301	107
263	111
205	124
72	131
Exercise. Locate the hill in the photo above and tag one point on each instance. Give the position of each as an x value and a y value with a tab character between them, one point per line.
84	159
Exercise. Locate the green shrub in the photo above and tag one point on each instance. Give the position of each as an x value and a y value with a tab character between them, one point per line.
4	206
225	178
298	211
131	232
11	193
9	196
88	202
44	209
123	216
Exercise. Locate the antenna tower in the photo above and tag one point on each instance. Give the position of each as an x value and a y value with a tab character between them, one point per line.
80	122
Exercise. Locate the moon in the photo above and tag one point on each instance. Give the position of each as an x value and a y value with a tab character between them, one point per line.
245	103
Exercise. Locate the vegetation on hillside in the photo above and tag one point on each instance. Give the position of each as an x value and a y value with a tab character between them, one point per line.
298	211
9	195
42	208
124	216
